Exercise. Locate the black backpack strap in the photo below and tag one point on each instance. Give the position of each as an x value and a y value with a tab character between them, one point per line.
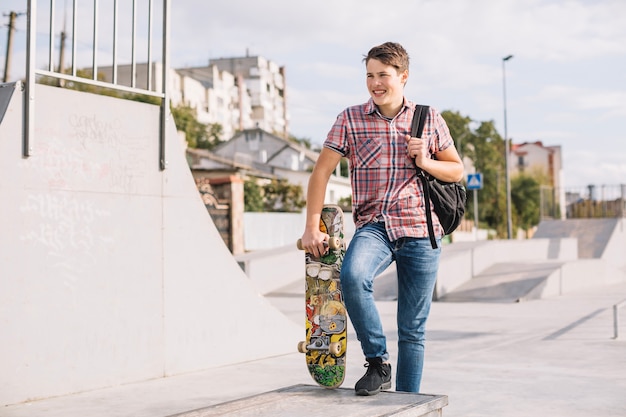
417	128
419	119
429	216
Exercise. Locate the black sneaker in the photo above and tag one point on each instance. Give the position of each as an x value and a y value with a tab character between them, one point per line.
377	377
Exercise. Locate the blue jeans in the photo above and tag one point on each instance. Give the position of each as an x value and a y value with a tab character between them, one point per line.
370	252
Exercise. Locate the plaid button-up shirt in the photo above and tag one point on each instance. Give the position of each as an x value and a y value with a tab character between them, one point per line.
385	186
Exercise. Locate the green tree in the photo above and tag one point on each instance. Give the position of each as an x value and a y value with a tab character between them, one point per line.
525	201
344	168
459	129
306	142
277	195
186	121
214	134
488	155
280	195
252	196
345	203
485	147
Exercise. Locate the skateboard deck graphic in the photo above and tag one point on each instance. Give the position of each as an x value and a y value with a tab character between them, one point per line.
326	319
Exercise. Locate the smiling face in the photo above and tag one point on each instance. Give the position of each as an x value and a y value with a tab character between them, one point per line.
385	84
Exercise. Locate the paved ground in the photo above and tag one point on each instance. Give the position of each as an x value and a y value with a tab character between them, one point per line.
553	357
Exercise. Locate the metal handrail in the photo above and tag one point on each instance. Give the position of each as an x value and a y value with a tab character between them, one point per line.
32	72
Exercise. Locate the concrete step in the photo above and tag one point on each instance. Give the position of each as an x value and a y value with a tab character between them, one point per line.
314	401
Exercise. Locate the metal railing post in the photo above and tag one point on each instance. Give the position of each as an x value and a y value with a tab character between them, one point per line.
165	102
29	88
616	308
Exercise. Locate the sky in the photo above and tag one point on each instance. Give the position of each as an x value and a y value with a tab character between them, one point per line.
565	85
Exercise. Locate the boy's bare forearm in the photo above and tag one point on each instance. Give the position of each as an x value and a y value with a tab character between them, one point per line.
315	200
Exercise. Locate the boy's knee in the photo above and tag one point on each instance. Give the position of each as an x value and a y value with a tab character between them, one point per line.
355	281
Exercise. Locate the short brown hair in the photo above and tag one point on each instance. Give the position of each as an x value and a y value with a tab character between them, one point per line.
389	53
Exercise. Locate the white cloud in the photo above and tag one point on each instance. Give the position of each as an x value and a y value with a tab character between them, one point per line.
589	167
566	84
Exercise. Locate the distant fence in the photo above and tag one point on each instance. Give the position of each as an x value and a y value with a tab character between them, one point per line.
591	201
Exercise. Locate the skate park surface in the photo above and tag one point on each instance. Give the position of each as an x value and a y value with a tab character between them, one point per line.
554	356
118	297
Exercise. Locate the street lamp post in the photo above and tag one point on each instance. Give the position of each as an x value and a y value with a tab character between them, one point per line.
507	175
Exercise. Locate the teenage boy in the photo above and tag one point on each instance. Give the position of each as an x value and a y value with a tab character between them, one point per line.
389	214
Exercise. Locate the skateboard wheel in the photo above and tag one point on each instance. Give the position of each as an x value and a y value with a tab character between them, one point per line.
325	274
313	269
334	243
302	347
335	348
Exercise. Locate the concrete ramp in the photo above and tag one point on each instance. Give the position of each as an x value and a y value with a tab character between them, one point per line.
507	282
593	235
562	256
6	92
112	270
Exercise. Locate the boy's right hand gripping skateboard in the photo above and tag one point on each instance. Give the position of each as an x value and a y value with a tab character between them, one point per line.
326	318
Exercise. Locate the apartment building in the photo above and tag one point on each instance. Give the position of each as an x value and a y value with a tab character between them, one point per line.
534	157
264	82
218	97
238	93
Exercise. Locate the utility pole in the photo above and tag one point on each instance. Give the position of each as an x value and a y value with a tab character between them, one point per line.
7	61
507	174
62	53
61	70
61	82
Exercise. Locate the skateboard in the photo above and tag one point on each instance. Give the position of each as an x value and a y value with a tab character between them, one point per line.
326	318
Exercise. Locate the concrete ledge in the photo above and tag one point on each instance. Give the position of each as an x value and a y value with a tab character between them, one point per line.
312	401
272	269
